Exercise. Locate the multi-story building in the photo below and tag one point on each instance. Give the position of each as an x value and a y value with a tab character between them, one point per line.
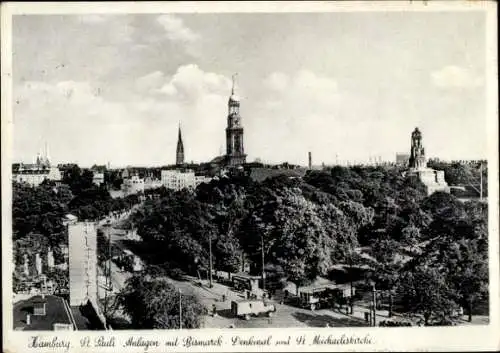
82	237
98	178
152	183
133	185
178	180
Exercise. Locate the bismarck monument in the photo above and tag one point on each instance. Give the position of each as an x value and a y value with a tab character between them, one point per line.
432	179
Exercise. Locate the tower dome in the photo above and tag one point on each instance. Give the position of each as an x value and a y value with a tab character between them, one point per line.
234	98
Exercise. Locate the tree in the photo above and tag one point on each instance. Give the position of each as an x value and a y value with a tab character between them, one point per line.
387	268
303	238
410	236
153	303
425	290
469	273
60	278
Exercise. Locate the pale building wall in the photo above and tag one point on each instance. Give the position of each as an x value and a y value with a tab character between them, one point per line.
177	180
98	179
133	185
35	177
82	238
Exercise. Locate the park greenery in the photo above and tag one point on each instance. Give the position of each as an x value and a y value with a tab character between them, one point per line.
427	253
38	214
152	302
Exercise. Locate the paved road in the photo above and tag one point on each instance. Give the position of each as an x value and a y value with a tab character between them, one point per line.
118	277
285	316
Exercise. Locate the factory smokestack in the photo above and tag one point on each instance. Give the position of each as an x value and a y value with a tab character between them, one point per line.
310	160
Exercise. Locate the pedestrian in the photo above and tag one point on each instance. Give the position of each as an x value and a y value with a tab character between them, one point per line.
214	310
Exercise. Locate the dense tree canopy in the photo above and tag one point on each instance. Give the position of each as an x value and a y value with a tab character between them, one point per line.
306	226
152	302
38	212
430	249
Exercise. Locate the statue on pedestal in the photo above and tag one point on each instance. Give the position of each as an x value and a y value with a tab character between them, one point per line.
417	156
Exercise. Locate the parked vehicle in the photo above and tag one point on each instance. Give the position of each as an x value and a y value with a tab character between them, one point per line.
243	281
323	296
315	297
246	308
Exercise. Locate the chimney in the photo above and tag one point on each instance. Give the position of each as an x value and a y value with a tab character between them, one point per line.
28	319
310	160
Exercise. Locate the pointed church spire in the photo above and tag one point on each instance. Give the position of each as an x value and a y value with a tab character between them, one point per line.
46	156
179	156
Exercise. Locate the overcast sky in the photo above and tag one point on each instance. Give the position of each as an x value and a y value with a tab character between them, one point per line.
114	88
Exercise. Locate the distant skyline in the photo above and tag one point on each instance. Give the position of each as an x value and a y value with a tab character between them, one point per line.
114	88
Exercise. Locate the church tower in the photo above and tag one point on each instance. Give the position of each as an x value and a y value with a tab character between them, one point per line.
179	155
235	154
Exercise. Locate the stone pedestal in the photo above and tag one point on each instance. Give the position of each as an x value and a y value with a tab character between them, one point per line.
432	179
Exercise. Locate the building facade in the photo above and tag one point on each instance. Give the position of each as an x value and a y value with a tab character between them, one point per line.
82	237
152	183
182	179
36	173
179	153
98	178
235	152
178	180
133	185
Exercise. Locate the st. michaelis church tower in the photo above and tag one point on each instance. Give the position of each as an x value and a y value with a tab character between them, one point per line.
235	153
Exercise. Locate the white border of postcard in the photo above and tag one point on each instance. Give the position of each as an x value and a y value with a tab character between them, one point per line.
395	339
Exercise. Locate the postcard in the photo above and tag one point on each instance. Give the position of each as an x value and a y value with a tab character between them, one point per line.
248	176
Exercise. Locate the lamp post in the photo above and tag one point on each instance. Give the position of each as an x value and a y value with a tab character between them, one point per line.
351	299
374	304
210	259
263	263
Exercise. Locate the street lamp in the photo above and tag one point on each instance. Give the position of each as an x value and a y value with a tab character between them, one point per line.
351	299
263	263
374	303
210	258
